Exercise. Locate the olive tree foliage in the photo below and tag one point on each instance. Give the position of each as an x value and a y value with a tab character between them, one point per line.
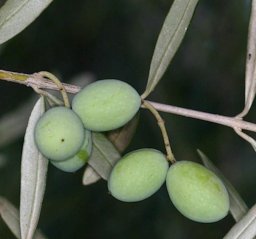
15	15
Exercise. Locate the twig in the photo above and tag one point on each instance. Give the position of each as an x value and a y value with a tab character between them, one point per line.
38	82
161	125
43	83
232	122
246	138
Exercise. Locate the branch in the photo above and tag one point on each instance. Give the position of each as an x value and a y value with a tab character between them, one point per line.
42	83
35	81
232	122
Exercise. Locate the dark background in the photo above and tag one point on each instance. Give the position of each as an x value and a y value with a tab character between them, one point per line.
115	39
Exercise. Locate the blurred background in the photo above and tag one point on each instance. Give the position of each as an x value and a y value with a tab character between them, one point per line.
102	39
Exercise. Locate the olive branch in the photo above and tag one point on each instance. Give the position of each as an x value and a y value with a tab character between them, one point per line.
39	82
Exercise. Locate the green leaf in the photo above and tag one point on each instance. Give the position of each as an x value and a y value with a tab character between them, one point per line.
250	79
15	15
104	155
10	216
169	40
238	208
33	177
14	123
122	137
245	228
90	176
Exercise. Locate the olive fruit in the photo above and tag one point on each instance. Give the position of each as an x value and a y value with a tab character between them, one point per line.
106	105
197	192
59	133
80	159
138	175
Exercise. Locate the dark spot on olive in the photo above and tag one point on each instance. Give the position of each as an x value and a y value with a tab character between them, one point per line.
249	56
62	140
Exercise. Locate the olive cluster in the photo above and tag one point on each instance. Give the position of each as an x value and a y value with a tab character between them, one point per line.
193	189
64	136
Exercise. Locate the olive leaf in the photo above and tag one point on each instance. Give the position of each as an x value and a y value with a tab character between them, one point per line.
245	228
15	15
250	74
13	124
238	208
169	40
90	176
33	177
10	216
104	155
122	137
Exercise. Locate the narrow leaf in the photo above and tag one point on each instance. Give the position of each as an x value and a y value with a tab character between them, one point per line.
10	216
169	40
104	155
90	176
238	208
122	137
245	228
33	177
15	15
13	124
250	73
250	76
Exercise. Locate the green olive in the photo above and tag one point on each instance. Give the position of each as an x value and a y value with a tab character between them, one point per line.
197	192
106	105
138	175
80	159
59	133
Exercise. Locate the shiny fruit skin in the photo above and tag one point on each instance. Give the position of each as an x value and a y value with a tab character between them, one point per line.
59	133
138	175
197	192
106	104
76	162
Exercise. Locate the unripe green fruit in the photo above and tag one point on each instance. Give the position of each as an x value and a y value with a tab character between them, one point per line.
197	192
59	133
80	159
138	175
106	105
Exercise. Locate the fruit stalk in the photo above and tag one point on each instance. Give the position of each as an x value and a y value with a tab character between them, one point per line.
161	125
58	83
51	98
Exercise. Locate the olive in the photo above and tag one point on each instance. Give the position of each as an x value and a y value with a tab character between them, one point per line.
59	133
197	192
138	175
106	104
80	159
